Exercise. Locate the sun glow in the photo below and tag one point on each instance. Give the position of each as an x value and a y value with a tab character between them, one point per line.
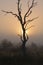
26	32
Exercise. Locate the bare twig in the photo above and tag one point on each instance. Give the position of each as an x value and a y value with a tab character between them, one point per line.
9	12
30	27
29	21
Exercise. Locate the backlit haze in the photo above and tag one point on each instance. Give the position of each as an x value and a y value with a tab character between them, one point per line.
10	26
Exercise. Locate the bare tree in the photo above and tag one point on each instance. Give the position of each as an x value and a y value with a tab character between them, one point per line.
24	37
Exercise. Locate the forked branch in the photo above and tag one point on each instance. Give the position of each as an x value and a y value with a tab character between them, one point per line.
29	10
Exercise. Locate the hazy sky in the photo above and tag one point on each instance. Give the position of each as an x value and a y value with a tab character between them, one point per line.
10	26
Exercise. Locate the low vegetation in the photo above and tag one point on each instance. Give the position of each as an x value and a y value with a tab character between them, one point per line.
11	55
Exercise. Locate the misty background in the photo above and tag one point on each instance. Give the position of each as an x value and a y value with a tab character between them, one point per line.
10	26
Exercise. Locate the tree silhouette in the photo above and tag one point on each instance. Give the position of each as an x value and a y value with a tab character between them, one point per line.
24	22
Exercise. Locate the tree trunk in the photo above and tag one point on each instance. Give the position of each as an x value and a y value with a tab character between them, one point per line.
24	37
24	41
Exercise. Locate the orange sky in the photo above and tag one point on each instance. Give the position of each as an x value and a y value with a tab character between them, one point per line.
10	25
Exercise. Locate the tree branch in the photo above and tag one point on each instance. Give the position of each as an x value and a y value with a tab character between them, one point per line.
29	10
29	21
19	11
30	27
29	13
7	12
